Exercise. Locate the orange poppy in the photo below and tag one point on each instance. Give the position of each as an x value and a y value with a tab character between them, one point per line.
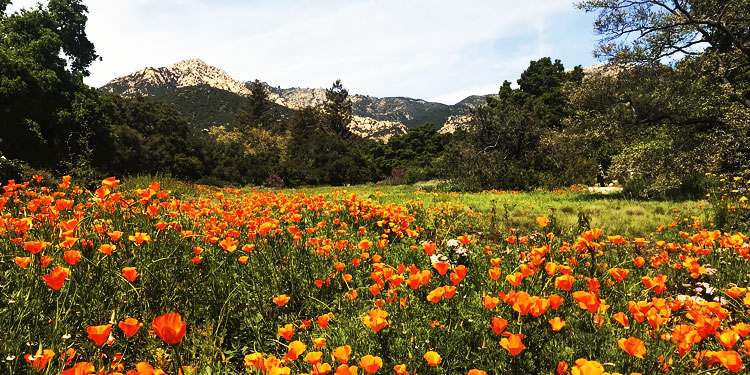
658	283
728	338
376	319
130	273
565	282
556	323
401	369
115	235
99	334
562	367
40	359
319	342
542	221
490	302
56	278
68	356
586	367
346	370
342	353
144	368
254	360
140	238
514	279
433	358
35	247
364	244
80	368
72	257
370	363
730	359
130	326
449	291
619	274
46	260
494	273
442	267
22	262
587	301
170	328
476	372
281	299
107	249
286	331
555	301
743	329
498	325
429	248
621	318
436	294
632	346
313	358
110	182
513	344
324	319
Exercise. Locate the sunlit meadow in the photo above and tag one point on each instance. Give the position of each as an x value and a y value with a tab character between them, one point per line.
143	278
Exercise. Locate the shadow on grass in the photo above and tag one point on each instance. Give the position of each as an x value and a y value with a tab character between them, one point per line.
595	197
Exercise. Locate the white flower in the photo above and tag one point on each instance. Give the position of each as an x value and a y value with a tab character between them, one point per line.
452	243
437	258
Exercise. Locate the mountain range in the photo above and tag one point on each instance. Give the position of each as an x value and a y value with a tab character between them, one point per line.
207	96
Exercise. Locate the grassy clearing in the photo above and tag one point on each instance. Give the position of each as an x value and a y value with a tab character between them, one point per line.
611	213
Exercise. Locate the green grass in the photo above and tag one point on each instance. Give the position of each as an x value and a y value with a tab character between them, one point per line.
611	213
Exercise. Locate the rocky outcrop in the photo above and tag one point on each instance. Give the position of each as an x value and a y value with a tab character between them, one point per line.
370	128
160	81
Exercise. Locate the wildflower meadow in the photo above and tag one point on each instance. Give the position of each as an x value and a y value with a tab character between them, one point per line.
145	280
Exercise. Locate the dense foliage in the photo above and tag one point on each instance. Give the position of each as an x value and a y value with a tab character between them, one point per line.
670	105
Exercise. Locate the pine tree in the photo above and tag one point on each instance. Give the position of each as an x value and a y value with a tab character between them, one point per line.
338	110
257	110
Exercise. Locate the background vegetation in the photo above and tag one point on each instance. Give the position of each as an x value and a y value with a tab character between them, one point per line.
670	104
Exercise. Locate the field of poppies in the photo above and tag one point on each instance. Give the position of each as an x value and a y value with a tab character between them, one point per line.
145	280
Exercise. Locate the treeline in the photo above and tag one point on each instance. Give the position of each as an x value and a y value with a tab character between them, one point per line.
657	117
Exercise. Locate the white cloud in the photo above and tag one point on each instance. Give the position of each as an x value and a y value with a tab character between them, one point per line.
435	49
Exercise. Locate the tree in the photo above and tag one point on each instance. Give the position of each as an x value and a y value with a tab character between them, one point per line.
256	111
47	110
338	110
503	148
647	31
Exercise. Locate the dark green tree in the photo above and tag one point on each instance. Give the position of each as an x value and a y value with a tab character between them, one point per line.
47	111
338	110
503	147
257	109
645	32
151	137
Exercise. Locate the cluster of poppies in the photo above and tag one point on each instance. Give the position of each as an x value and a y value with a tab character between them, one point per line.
672	300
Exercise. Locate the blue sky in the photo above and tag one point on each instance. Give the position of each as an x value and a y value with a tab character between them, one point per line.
430	49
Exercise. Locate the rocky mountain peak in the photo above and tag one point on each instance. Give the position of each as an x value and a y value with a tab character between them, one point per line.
159	81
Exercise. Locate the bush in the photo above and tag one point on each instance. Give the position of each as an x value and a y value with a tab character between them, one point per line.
729	202
10	169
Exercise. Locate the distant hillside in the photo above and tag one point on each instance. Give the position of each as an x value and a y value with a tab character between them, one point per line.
205	106
207	96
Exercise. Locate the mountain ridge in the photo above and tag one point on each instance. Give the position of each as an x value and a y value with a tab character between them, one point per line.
373	117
